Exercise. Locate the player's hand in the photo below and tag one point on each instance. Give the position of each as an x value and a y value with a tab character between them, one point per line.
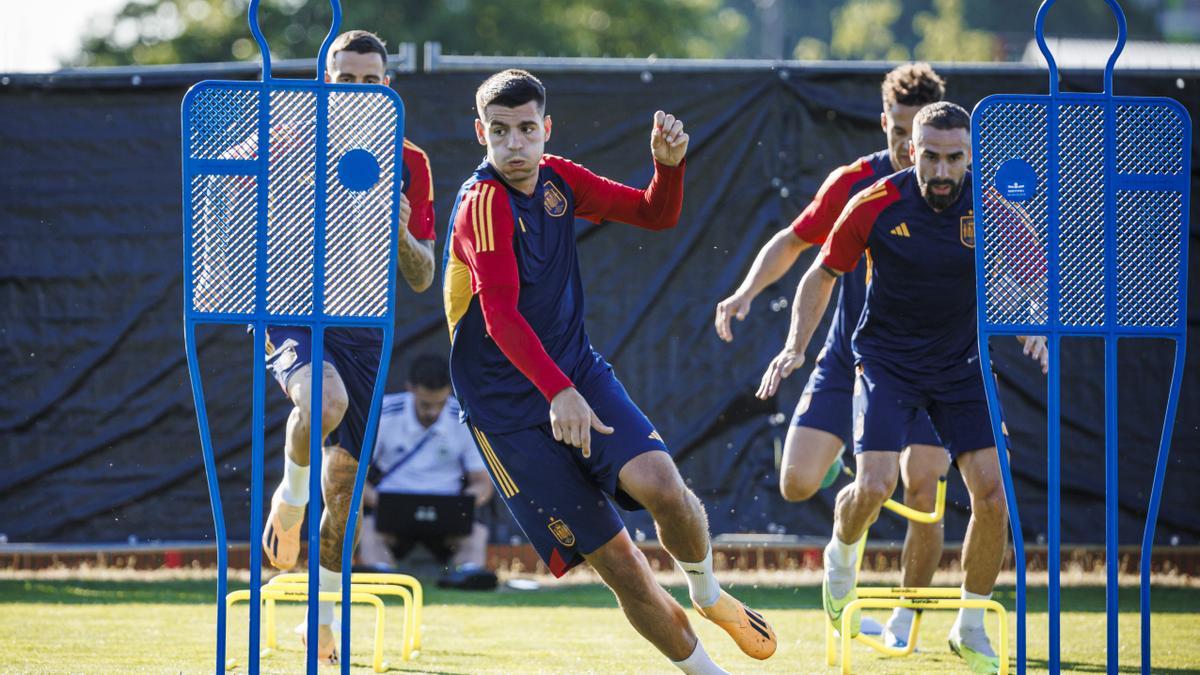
668	141
735	306
784	364
1037	349
572	420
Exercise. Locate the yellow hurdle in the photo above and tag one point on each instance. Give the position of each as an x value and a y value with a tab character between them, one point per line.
273	594
364	588
913	598
413	617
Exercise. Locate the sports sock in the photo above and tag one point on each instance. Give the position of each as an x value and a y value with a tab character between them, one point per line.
971	617
699	663
295	483
702	583
330	581
900	622
842	553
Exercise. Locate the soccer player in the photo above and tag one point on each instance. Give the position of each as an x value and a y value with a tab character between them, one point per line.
352	358
917	350
558	431
821	425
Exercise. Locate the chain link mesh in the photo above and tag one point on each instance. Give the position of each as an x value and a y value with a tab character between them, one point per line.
358	223
1149	140
291	203
1014	233
224	226
222	118
1081	215
1149	256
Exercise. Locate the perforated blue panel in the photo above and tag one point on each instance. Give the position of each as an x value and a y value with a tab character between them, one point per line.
1080	201
291	217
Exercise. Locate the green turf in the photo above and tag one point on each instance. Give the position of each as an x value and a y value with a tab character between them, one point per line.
157	627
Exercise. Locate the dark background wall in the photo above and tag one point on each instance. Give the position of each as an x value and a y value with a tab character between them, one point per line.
98	437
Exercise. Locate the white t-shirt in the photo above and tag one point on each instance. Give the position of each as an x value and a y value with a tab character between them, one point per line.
417	460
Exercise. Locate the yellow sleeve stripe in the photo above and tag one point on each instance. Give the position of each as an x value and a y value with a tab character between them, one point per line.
507	485
481	217
475	220
488	233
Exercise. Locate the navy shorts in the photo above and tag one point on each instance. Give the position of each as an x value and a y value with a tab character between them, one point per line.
827	404
886	403
353	352
561	500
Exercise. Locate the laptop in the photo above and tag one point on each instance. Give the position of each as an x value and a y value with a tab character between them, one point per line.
415	515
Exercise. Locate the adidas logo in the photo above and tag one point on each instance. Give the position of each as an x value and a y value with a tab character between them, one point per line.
901	230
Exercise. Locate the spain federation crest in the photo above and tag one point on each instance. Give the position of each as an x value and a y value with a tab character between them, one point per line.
555	202
966	230
561	532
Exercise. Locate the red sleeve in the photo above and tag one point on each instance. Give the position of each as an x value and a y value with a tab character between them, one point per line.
483	235
816	220
845	244
598	198
419	193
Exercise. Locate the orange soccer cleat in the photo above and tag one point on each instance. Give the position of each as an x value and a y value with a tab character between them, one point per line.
747	627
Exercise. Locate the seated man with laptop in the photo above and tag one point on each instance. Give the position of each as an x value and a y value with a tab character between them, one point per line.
426	482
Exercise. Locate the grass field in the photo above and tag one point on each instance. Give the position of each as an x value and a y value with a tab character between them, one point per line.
126	626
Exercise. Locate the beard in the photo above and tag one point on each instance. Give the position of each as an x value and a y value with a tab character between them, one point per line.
936	201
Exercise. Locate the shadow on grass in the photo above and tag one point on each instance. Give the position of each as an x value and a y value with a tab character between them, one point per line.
183	592
1077	667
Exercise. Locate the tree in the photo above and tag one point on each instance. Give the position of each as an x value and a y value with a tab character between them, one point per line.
190	31
945	36
862	29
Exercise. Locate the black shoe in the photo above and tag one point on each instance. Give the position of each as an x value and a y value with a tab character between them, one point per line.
469	578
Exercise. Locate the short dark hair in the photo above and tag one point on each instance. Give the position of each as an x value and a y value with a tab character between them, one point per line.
359	42
430	371
943	115
510	88
915	84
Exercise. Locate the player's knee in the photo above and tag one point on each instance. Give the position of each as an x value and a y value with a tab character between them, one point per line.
920	496
874	490
990	506
798	486
333	409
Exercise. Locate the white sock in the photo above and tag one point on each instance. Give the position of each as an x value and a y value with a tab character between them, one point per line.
329	581
295	483
842	553
971	617
699	663
702	584
900	622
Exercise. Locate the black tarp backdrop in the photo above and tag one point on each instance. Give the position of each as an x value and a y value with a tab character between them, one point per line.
97	426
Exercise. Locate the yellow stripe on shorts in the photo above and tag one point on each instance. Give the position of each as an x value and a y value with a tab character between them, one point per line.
507	485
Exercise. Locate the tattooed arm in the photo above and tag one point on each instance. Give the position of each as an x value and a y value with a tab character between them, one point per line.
415	256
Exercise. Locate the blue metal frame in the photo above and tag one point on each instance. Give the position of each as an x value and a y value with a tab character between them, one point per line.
260	318
1111	332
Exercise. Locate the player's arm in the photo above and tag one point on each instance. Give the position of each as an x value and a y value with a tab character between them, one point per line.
839	255
655	208
414	255
484	243
479	486
774	260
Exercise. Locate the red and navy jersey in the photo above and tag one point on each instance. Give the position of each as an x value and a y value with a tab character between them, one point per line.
813	226
919	316
513	292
